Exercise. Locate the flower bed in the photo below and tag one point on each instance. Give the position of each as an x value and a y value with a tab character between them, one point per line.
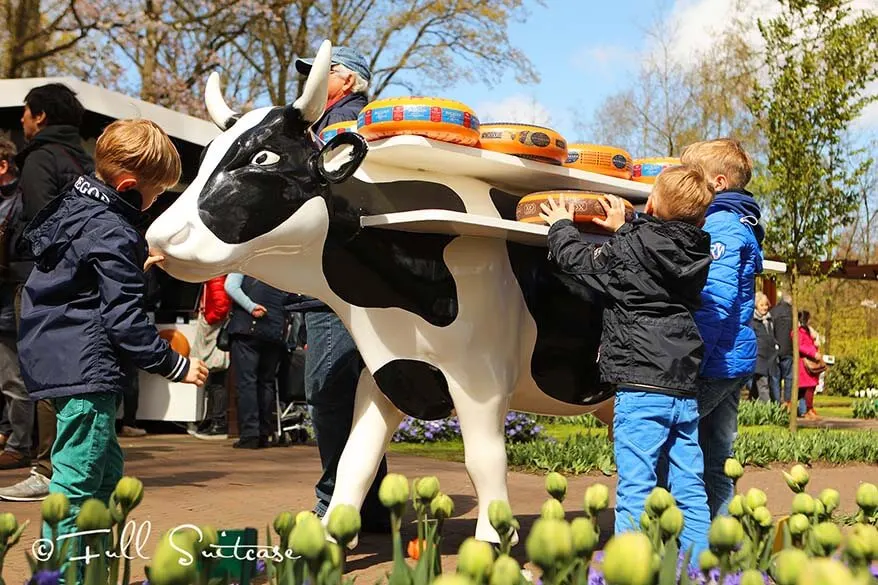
519	428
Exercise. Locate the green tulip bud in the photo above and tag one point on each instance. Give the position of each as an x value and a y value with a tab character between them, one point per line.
671	522
736	507
552	510
798	524
426	488
55	508
762	517
755	498
505	571
830	498
707	561
209	537
800	475
862	543
129	493
452	579
725	534
556	485
825	572
549	541
826	536
174	560
283	524
303	514
819	509
628	560
475	558
645	521
597	499
867	498
752	577
334	555
394	491
803	504
500	516
344	523
308	537
733	469
658	501
585	536
789	565
94	515
8	525
442	507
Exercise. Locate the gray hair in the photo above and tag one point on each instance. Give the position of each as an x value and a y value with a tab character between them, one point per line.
360	84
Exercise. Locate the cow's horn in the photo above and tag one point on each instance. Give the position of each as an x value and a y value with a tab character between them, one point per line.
221	114
312	102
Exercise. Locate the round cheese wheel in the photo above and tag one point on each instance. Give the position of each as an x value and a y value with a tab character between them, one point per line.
177	340
596	158
525	141
436	118
334	130
645	170
586	206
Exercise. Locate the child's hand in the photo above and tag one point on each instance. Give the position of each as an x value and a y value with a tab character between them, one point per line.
259	311
552	212
615	210
197	373
154	258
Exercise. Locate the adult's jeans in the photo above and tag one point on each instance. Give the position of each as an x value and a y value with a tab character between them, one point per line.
332	371
647	425
20	408
718	409
255	368
783	373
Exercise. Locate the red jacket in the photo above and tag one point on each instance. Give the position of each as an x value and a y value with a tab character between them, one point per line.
215	303
807	348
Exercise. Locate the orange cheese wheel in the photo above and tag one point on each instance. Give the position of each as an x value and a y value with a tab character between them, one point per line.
178	341
334	130
436	118
586	206
525	141
645	170
595	158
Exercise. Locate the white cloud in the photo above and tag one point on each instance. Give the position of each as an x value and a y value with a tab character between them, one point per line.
517	108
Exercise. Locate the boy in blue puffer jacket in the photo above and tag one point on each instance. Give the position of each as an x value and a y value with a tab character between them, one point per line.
727	304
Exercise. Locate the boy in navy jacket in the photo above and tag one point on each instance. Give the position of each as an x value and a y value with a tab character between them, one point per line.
727	304
84	329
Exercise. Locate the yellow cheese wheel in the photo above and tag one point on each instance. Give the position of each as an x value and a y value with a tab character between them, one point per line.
177	341
596	158
525	141
645	170
436	118
334	130
586	206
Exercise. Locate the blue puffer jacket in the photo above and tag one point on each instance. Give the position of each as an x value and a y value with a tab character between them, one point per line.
728	298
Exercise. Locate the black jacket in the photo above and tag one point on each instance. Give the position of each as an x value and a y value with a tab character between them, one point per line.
274	325
10	195
84	327
782	315
650	274
766	353
48	164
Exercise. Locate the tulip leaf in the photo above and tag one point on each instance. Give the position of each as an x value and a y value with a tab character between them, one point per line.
668	568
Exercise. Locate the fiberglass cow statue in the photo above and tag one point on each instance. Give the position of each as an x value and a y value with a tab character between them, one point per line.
445	323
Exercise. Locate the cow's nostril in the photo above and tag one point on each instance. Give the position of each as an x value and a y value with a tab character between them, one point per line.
181	235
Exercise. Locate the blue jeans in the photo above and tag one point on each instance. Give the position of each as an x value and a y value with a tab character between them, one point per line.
718	408
332	371
648	425
783	373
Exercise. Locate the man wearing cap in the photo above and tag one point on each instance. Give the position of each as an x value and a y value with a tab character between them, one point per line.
332	362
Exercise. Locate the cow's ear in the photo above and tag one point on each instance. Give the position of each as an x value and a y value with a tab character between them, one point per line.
341	157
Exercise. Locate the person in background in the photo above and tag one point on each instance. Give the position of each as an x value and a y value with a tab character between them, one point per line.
781	382
258	332
213	311
809	372
766	358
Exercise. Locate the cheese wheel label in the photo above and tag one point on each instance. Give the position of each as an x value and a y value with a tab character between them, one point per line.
418	113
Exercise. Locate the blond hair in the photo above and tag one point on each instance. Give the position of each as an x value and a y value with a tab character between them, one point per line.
682	193
724	156
141	148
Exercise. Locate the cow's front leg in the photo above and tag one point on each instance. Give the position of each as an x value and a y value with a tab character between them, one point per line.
375	421
482	425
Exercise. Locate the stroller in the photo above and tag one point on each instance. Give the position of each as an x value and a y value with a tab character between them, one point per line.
293	421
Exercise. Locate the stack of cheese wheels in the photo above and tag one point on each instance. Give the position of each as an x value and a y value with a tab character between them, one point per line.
525	141
436	118
177	341
586	206
647	169
334	130
595	158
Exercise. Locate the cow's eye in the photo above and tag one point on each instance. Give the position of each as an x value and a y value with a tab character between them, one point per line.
265	158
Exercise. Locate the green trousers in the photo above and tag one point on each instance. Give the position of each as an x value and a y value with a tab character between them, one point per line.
87	460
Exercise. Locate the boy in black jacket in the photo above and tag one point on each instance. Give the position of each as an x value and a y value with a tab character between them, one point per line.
650	274
84	329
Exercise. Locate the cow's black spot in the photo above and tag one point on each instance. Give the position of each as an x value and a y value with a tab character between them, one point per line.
416	388
377	268
568	319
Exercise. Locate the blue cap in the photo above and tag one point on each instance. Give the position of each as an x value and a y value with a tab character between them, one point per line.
353	60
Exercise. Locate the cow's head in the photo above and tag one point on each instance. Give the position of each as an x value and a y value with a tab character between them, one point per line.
262	186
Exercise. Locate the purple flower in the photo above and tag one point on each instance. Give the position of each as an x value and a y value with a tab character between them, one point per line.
260	566
45	578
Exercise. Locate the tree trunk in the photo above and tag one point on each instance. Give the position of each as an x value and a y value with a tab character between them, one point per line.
794	397
149	61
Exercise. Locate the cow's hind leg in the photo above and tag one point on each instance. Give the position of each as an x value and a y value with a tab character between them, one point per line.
375	421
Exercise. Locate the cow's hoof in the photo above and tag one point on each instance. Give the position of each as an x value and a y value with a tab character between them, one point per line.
351	545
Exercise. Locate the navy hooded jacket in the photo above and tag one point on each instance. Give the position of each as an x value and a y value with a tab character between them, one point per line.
84	326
